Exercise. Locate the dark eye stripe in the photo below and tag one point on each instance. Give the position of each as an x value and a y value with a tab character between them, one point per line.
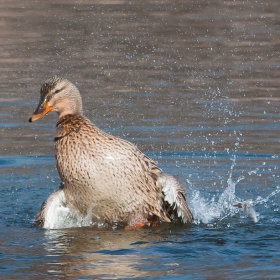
58	90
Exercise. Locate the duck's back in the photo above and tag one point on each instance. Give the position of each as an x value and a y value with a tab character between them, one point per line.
104	174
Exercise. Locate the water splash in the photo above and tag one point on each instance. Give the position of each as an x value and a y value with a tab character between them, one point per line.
225	205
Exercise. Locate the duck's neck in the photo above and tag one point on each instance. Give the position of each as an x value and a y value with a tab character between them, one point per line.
67	124
68	118
72	110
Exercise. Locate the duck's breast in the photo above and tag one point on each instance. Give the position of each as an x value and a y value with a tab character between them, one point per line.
102	171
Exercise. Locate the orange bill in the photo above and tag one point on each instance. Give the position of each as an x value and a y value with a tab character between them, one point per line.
40	112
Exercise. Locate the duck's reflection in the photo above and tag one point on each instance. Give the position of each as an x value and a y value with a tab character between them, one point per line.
100	253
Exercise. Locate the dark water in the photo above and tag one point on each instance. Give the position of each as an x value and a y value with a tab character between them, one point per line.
195	85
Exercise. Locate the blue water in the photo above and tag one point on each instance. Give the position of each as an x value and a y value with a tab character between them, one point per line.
226	245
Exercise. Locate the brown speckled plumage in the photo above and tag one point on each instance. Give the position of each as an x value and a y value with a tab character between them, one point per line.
105	175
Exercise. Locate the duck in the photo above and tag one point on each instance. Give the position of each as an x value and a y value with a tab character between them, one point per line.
104	179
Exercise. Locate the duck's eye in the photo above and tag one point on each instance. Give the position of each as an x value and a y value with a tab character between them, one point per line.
57	91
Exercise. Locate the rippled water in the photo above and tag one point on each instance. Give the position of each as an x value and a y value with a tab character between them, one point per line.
195	85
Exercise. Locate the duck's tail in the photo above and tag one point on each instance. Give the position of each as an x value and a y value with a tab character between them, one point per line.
175	195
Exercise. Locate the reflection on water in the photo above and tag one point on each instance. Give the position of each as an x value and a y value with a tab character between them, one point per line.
110	254
193	84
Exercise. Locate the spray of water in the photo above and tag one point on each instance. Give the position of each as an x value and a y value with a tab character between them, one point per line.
228	204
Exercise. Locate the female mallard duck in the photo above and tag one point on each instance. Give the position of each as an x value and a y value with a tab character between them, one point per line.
104	178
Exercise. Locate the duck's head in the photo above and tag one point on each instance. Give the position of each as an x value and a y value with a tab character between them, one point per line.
59	95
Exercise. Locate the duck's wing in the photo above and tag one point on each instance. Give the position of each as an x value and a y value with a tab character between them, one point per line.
175	195
170	195
49	209
56	213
